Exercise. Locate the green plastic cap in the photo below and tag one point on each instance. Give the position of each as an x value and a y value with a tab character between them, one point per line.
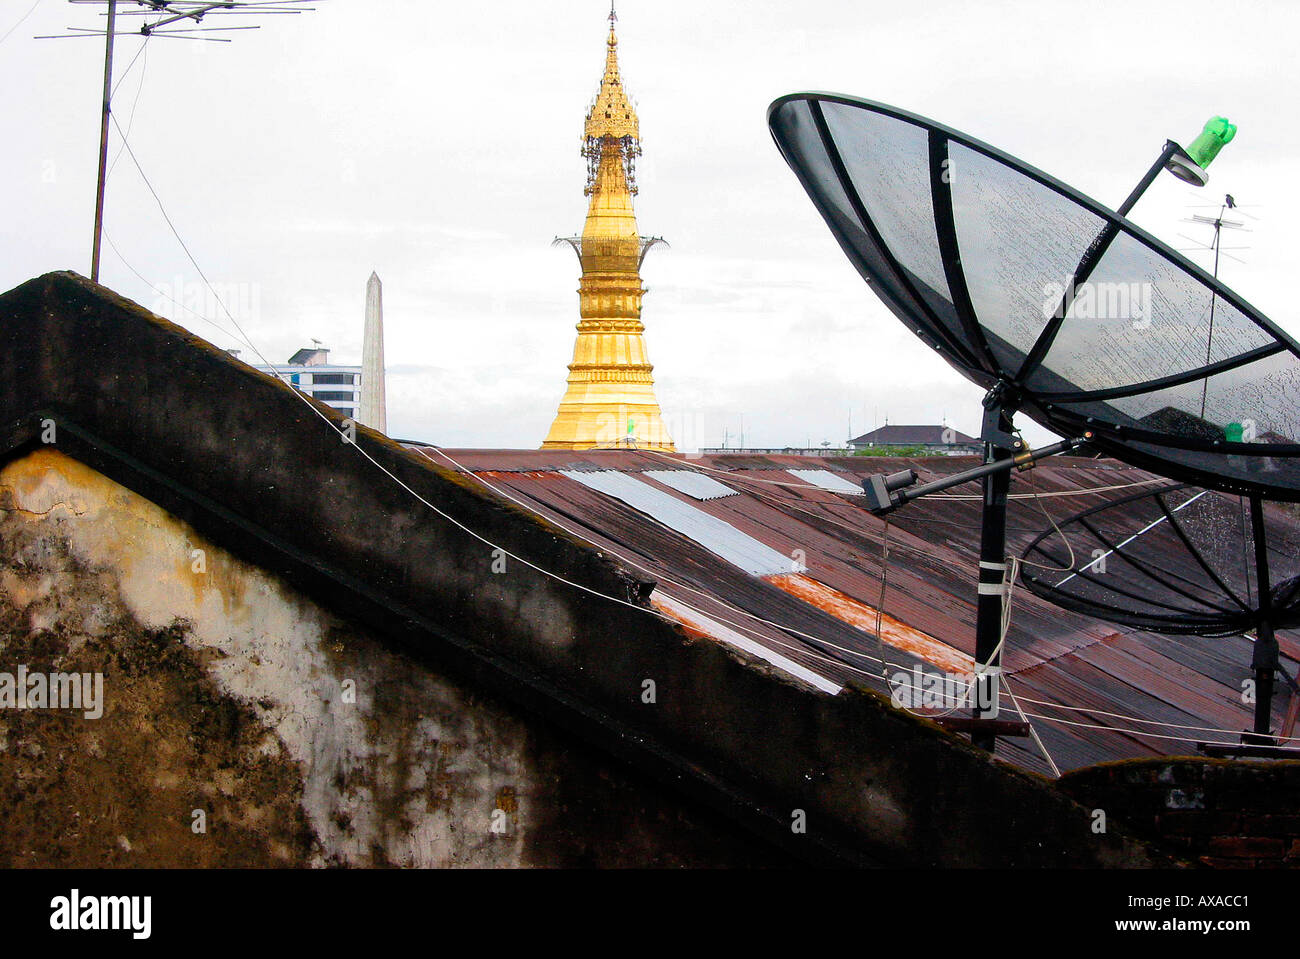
1218	132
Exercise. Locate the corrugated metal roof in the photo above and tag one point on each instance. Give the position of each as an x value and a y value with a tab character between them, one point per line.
1067	667
859	614
715	535
696	485
827	480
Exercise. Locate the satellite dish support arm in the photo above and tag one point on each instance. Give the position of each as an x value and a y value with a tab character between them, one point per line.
1264	661
1000	405
1002	453
1171	151
887	492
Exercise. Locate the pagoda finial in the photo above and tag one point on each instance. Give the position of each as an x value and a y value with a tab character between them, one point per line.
611	118
611	113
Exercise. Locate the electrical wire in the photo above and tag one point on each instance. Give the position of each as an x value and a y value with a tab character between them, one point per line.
171	226
1136	719
886	663
122	77
1139	732
1056	770
532	507
937	496
857	653
880	606
328	422
130	120
21	21
1058	494
1008	586
167	296
1065	539
764	640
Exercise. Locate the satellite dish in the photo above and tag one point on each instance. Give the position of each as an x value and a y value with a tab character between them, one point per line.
1180	560
1177	560
1056	305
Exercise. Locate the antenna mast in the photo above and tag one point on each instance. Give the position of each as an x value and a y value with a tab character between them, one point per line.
167	12
103	141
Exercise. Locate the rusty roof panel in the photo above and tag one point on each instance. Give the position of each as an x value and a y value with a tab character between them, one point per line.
1075	676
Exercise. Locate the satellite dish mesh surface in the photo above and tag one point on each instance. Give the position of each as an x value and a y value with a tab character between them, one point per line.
1175	560
1092	324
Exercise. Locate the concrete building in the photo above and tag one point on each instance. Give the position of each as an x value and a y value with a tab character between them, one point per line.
357	392
309	370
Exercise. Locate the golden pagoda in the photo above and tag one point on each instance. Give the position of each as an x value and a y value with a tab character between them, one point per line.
610	400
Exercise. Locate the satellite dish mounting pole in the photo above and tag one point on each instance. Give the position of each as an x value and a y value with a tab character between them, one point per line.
103	141
1003	452
999	445
1264	661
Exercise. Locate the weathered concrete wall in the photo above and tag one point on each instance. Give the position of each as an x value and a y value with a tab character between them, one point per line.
564	633
301	738
1225	813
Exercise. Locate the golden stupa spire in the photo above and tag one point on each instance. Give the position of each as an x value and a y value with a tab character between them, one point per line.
611	115
610	400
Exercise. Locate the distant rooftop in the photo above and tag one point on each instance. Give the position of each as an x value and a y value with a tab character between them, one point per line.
777	450
310	356
899	435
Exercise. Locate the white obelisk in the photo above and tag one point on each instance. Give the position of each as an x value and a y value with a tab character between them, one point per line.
374	406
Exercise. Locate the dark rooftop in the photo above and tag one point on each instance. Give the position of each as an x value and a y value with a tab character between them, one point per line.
900	435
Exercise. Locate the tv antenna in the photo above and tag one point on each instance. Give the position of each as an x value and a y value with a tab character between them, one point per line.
1218	224
164	18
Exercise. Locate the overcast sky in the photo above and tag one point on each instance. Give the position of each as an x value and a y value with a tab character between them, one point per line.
437	144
